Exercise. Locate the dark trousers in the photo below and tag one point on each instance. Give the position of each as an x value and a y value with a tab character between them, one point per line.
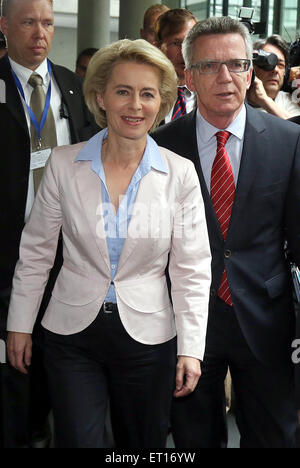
24	399
103	362
264	399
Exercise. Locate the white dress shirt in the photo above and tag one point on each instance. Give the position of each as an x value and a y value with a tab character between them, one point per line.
207	144
61	125
287	102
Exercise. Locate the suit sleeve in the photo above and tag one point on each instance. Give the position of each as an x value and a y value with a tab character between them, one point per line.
190	268
293	238
37	253
293	208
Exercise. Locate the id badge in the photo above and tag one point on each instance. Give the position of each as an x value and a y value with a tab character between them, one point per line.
39	158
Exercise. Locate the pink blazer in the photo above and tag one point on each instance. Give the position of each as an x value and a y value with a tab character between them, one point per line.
168	218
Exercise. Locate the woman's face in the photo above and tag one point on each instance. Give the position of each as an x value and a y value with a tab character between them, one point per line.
131	100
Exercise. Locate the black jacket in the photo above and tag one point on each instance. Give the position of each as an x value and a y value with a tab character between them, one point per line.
265	211
15	157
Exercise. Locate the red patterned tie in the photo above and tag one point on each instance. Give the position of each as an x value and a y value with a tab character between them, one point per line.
222	191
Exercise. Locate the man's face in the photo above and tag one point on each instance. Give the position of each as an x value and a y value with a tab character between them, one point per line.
29	29
172	48
273	79
220	95
82	65
149	32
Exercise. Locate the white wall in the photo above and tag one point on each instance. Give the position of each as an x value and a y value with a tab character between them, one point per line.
64	46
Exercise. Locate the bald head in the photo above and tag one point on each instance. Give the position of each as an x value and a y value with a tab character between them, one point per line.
28	26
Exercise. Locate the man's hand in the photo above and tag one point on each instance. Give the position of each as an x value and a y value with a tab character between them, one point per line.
19	346
257	95
187	375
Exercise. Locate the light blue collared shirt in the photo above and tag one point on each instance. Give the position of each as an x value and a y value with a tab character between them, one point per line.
207	144
116	224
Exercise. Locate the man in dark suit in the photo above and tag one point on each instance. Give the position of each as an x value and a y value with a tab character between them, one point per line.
2	45
248	164
28	27
170	30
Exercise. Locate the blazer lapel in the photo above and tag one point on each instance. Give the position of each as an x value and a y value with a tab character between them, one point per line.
149	192
89	189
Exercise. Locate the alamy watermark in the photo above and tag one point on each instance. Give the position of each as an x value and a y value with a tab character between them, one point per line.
295	93
2	352
153	221
296	353
2	92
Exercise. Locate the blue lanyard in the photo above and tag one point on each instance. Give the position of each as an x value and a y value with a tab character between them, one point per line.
37	126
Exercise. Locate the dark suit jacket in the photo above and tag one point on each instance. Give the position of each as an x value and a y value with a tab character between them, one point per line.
265	211
15	160
297	307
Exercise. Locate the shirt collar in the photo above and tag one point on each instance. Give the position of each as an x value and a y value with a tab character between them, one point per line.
93	149
24	73
236	128
187	92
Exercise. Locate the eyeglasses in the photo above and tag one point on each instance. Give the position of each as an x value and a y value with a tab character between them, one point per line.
210	67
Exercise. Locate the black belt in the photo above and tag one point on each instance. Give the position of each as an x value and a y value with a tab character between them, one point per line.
109	307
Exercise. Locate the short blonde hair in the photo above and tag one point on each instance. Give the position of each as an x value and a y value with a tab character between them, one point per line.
139	51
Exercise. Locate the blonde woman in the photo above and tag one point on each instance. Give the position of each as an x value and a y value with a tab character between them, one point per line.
125	206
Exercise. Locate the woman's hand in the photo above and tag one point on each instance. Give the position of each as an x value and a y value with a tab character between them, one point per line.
187	375
19	346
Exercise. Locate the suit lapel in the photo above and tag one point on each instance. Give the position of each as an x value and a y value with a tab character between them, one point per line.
250	162
89	189
149	192
69	97
13	100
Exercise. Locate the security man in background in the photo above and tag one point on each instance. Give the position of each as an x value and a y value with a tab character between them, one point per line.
44	107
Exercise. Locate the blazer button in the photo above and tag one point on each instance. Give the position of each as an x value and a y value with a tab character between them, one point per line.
213	292
227	253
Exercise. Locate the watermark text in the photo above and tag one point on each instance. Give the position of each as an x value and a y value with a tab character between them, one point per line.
2	92
2	352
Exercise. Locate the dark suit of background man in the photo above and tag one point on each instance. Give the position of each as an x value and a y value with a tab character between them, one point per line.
28	27
170	30
254	335
2	45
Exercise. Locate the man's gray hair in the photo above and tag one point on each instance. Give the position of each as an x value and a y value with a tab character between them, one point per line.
215	25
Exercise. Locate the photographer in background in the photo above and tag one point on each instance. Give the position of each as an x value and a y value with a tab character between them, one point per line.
265	92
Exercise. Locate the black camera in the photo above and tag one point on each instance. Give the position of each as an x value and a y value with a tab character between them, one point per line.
265	60
245	15
262	59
